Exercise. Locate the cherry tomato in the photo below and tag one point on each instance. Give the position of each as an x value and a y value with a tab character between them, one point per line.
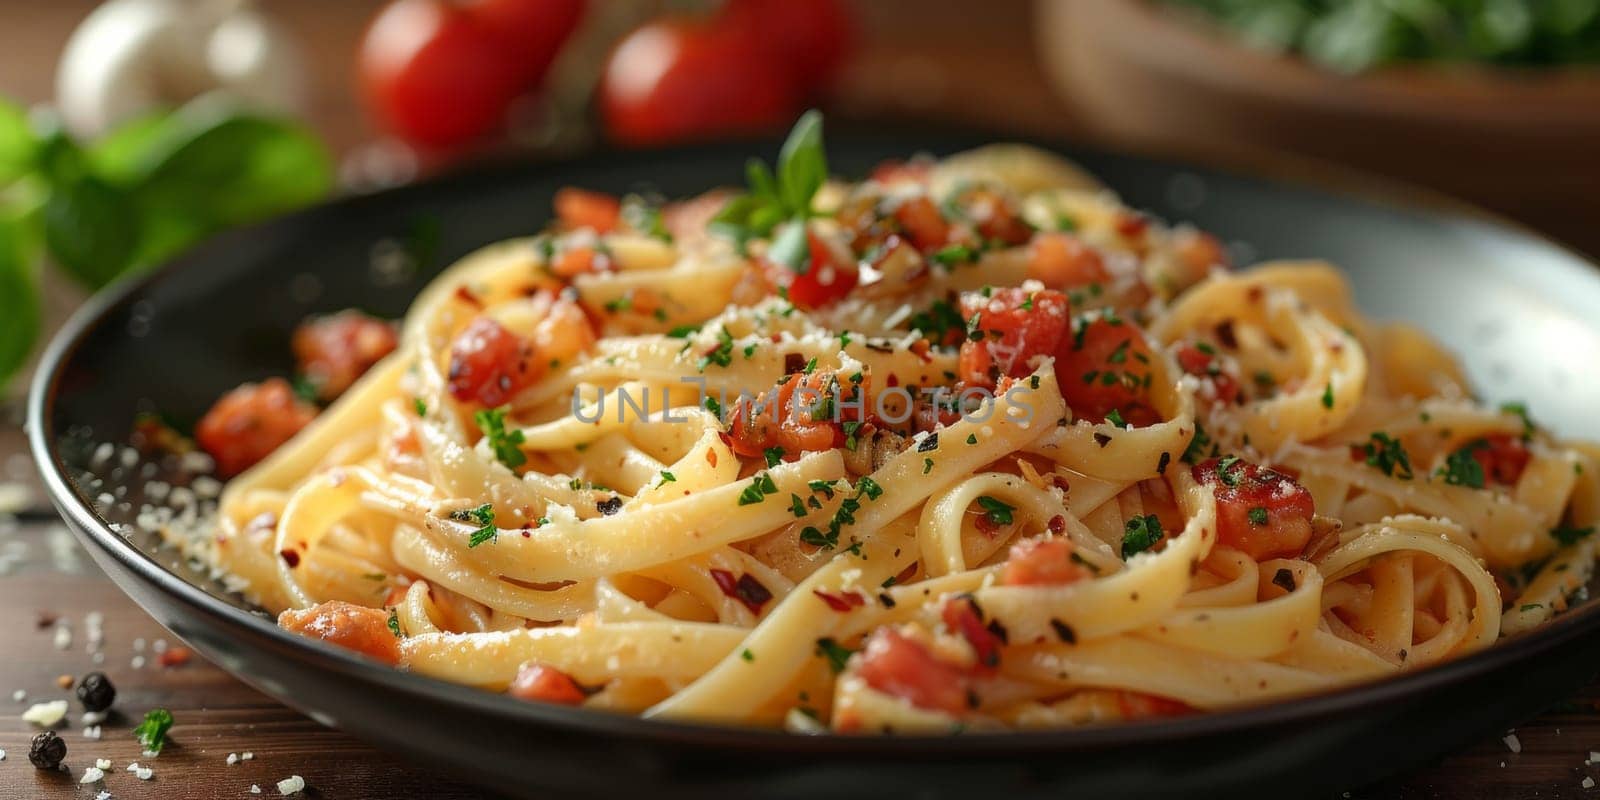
812	38
543	684
1103	366
825	281
1042	562
581	208
1503	457
489	364
440	74
333	351
1261	512
896	665
673	80
1063	261
358	628
250	422
1013	327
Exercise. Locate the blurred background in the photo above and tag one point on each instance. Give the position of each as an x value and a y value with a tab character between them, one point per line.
130	129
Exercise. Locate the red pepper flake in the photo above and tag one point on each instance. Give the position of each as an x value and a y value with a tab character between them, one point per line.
746	589
711	455
842	602
174	657
290	557
1057	524
467	296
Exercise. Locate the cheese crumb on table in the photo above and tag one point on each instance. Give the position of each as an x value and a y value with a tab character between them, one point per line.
92	775
291	785
1513	742
46	714
102	764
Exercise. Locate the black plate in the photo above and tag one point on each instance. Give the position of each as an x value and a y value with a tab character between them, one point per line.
1516	306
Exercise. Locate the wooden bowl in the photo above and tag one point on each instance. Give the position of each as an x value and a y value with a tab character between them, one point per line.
1525	142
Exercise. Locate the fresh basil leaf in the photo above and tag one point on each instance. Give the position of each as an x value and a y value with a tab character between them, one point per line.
17	143
19	303
792	248
762	184
802	164
238	169
127	154
91	229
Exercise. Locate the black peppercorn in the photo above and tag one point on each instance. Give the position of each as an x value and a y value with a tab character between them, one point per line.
96	692
47	750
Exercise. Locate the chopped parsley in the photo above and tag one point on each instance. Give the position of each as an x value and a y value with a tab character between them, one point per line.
972	438
1388	455
1115	418
484	516
1140	534
420	406
760	486
927	465
837	654
850	428
1327	395
1196	451
747	655
714	406
683	331
1258	516
797	506
816	538
869	488
619	304
722	354
668	477
1225	470
504	443
954	254
394	623
152	732
997	512
774	456
938	321
1462	468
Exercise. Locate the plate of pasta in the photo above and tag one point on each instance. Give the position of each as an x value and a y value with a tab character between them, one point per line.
930	465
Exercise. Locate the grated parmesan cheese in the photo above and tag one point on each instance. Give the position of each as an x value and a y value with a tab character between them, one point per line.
1588	783
291	785
1512	742
92	775
102	764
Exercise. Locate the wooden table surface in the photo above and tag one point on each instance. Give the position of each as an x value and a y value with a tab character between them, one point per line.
931	59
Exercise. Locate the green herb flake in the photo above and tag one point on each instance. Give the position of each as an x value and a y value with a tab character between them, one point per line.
1140	534
504	443
152	732
996	511
835	653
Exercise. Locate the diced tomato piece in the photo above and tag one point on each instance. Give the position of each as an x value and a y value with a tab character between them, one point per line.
896	665
826	279
1204	363
1042	562
333	351
1013	327
778	419
489	364
578	260
923	223
359	628
1138	705
994	216
1103	365
250	422
1199	251
1261	512
961	616
581	208
1063	261
543	684
1503	457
